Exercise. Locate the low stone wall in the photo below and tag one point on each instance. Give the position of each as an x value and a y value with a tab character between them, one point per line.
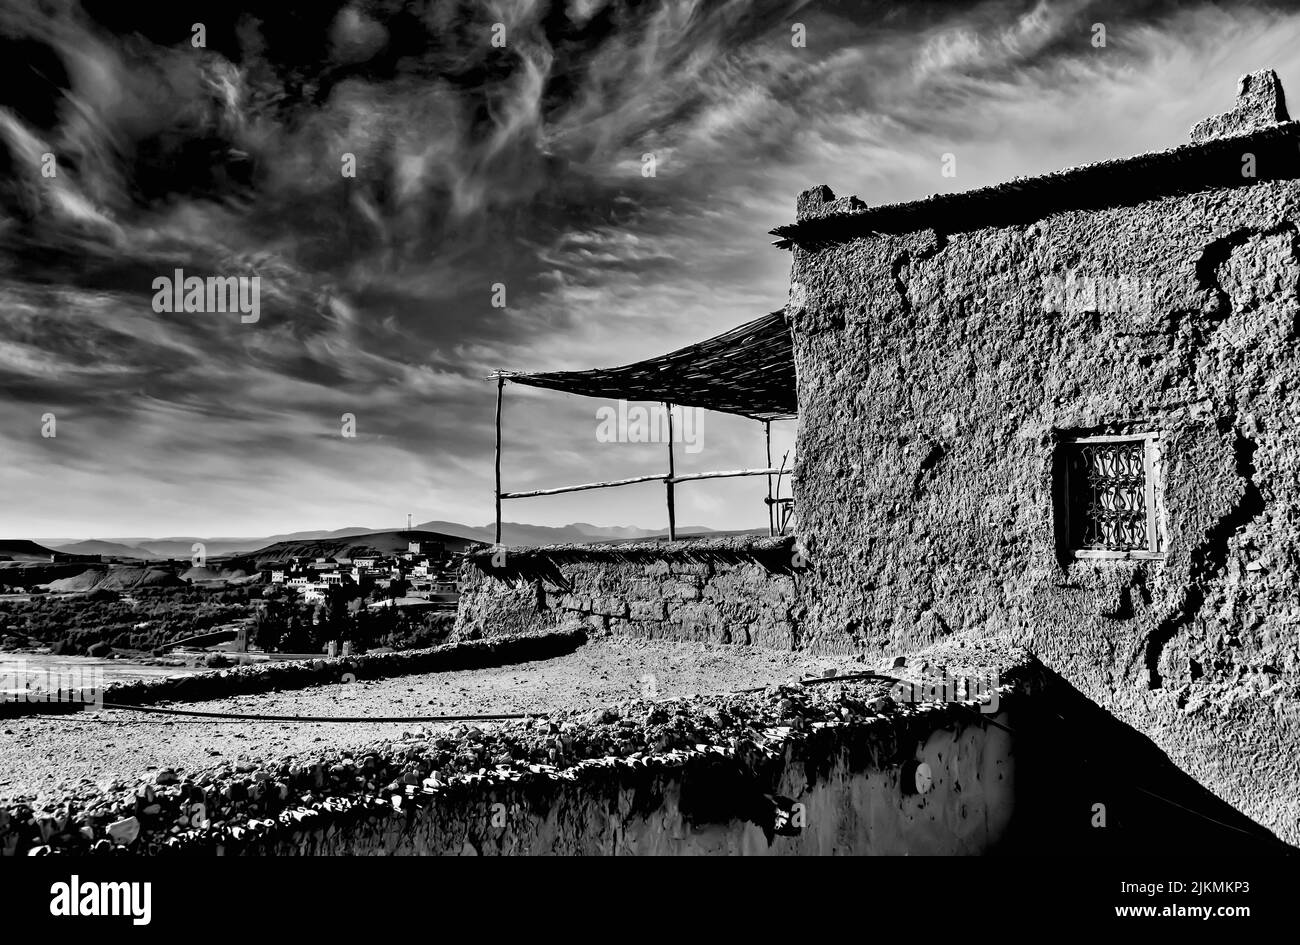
299	674
824	768
841	789
724	590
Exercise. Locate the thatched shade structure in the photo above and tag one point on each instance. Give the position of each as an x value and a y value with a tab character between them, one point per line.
748	371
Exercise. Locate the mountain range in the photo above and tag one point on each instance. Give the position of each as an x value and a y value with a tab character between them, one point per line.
512	533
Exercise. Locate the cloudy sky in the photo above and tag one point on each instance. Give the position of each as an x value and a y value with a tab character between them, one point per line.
478	165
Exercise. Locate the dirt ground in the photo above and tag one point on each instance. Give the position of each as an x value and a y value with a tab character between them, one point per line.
50	757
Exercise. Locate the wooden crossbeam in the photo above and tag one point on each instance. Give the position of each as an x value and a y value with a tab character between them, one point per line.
657	477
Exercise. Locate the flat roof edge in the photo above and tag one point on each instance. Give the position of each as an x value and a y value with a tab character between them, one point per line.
1185	169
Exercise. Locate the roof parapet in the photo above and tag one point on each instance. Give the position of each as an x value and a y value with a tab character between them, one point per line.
820	201
1258	124
1260	103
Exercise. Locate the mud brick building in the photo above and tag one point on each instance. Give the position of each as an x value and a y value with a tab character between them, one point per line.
1058	413
1063	411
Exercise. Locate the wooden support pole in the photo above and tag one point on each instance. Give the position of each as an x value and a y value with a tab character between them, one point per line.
771	521
501	382
668	483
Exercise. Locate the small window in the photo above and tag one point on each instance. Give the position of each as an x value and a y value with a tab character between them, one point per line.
1107	501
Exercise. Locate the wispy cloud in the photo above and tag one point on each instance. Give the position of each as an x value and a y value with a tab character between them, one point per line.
478	165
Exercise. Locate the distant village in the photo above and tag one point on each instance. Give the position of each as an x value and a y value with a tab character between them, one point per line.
423	576
273	601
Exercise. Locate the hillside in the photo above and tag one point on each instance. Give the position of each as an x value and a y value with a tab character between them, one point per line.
181	548
321	533
384	543
116	577
20	549
27	573
109	549
216	572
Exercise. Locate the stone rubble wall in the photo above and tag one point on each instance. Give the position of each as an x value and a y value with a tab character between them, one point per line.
732	590
936	378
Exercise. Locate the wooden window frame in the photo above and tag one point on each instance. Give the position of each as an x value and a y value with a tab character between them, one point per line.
1151	466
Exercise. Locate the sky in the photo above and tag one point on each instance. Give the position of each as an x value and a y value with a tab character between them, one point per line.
480	166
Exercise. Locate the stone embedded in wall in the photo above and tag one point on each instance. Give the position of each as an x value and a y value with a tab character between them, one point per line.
609	607
648	610
693	613
1260	103
699	569
682	590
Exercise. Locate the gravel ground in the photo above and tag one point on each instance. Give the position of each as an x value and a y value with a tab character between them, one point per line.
45	758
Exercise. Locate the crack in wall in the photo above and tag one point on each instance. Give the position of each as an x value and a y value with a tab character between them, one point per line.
902	263
1208	559
1216	254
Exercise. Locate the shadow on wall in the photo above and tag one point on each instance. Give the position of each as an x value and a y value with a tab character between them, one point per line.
1111	792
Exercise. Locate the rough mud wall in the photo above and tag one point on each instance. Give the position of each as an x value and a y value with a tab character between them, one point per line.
933	384
737	590
700	804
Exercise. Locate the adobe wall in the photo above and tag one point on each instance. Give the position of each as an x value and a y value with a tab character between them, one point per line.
716	590
698	803
933	382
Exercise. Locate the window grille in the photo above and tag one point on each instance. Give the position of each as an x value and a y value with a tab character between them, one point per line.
1109	498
